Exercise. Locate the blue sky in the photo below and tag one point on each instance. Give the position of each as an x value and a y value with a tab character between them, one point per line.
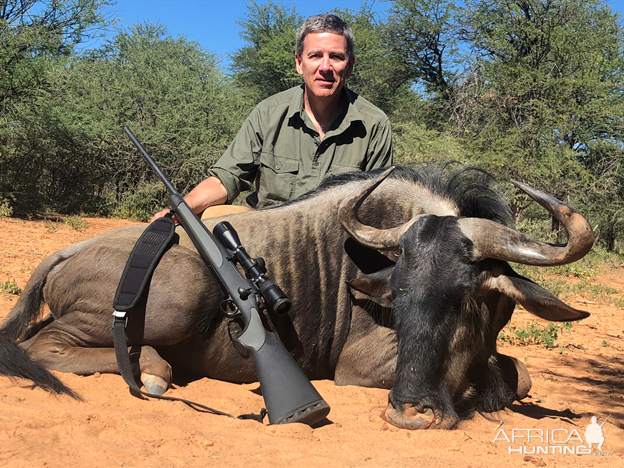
212	23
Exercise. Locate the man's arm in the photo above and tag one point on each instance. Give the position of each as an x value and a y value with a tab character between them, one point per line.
237	167
380	149
232	173
208	192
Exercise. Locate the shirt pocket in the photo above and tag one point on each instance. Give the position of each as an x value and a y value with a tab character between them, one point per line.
278	177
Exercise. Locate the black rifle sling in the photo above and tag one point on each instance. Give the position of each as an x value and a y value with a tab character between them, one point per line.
145	255
137	273
143	259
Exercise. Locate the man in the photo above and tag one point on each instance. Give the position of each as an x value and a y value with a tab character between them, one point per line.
296	138
593	433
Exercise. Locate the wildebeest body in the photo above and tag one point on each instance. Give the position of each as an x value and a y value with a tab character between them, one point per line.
442	324
303	248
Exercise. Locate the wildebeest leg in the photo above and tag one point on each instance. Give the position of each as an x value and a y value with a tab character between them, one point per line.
57	350
36	327
369	355
498	381
515	375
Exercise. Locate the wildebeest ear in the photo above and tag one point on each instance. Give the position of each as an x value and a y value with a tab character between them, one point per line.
534	298
366	259
375	285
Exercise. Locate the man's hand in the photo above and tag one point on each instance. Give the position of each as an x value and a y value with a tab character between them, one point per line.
209	192
162	213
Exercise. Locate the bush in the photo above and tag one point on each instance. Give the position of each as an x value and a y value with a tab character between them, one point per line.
76	223
67	152
535	334
10	287
5	208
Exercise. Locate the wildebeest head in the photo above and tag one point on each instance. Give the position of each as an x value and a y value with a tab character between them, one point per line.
453	291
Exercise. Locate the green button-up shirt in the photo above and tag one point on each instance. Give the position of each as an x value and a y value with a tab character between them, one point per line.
280	150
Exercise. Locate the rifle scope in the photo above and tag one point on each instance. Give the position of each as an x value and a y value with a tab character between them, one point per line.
254	267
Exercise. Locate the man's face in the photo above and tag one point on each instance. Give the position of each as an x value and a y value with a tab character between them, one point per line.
324	64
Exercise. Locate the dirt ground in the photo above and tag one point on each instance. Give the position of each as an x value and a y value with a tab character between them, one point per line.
583	376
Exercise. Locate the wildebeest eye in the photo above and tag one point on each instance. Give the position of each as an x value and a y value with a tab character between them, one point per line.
466	248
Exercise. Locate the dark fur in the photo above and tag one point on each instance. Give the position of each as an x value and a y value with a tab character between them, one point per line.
470	188
437	303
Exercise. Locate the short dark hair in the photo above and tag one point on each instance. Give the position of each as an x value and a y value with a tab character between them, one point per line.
325	23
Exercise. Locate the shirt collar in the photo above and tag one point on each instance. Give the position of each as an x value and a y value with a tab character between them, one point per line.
296	107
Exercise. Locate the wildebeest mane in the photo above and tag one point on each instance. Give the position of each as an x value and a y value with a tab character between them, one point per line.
470	188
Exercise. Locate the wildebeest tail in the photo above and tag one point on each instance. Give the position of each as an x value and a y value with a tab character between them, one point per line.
27	308
15	362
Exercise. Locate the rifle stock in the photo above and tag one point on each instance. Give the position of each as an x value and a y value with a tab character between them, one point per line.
288	394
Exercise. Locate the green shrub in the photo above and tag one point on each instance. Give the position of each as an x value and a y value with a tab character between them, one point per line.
5	208
51	225
76	223
619	302
534	334
10	287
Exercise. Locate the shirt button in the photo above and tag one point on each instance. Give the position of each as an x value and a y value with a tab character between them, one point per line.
278	167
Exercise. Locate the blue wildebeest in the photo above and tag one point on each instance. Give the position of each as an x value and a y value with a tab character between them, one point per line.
401	284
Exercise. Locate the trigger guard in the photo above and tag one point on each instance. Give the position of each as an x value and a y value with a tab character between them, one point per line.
228	308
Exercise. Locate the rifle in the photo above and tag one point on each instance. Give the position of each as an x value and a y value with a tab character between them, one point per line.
288	394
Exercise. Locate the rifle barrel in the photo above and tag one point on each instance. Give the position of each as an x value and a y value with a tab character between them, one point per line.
148	158
288	394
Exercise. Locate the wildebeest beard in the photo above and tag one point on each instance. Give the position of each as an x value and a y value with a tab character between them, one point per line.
438	326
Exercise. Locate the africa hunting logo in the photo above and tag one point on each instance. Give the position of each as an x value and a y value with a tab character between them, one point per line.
555	441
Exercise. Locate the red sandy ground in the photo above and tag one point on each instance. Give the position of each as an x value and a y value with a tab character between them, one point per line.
582	378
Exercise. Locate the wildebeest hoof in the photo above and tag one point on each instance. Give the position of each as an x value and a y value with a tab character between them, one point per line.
408	417
516	375
154	384
524	380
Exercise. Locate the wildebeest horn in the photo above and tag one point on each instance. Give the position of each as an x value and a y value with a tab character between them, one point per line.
380	239
493	240
490	239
